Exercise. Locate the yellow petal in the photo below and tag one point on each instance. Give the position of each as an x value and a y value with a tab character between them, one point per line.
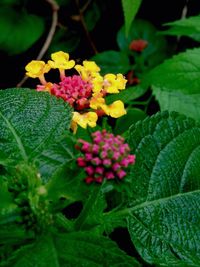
60	60
91	66
36	68
97	101
85	119
121	81
88	71
115	110
113	83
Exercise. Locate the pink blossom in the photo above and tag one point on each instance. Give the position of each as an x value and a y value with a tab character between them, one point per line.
81	162
96	161
106	157
121	174
89	170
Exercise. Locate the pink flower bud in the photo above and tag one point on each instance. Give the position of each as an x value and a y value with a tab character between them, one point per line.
89	170
109	175
88	156
99	170
89	180
107	162
121	174
81	162
96	161
116	166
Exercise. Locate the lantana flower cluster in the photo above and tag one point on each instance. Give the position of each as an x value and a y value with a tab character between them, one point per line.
107	157
85	90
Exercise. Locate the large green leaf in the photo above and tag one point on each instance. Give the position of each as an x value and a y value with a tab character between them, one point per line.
176	83
185	27
19	30
71	250
30	122
130	9
164	212
87	249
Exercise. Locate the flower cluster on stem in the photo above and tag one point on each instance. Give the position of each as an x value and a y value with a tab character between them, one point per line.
107	157
85	91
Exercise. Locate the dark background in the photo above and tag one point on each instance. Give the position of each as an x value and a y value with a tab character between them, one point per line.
103	35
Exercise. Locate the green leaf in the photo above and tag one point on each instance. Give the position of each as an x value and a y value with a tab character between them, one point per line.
91	16
176	101
112	62
19	30
129	94
9	2
42	253
30	122
57	157
176	83
72	250
130	9
133	115
5	197
189	27
156	49
164	199
87	249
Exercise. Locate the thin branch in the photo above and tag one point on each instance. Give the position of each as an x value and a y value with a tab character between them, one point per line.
183	16
82	20
55	8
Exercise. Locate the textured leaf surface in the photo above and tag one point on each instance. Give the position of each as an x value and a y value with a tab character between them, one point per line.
87	249
30	122
74	249
176	83
164	217
130	9
185	27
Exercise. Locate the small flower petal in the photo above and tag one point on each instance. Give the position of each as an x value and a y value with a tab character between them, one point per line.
115	110
36	68
60	60
89	118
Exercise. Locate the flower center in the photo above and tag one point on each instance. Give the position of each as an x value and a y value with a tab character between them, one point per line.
74	90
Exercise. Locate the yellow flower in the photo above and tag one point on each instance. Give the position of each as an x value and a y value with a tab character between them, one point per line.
88	118
97	83
88	71
60	60
113	83
36	68
115	110
97	101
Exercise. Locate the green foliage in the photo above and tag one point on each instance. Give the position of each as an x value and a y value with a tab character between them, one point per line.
112	62
123	123
189	27
30	123
164	217
155	51
130	9
15	28
92	16
35	140
49	216
176	83
9	2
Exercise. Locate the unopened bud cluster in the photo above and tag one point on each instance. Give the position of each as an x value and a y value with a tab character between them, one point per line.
106	157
